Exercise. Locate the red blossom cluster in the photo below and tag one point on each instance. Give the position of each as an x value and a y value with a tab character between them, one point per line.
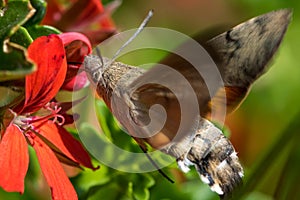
38	120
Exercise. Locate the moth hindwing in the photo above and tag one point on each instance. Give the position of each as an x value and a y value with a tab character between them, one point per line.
241	55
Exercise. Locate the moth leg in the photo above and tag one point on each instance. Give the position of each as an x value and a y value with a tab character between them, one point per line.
144	148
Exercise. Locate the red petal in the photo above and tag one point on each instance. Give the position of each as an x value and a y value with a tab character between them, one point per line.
53	14
92	9
77	46
109	9
84	12
41	86
65	142
98	36
72	36
61	187
14	160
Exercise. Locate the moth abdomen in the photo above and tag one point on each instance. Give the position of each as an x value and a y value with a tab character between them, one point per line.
215	159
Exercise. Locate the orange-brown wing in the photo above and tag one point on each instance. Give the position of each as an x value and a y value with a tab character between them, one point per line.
164	100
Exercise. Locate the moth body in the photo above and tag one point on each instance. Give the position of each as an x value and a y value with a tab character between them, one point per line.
205	147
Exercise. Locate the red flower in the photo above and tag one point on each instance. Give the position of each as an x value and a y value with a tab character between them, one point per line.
38	123
77	46
86	16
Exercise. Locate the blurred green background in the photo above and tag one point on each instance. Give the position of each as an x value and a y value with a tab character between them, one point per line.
264	130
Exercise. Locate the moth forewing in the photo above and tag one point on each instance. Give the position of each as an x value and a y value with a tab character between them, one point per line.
244	52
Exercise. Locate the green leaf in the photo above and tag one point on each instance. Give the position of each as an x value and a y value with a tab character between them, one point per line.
124	185
120	138
40	30
21	37
8	95
112	129
167	191
141	184
93	141
14	65
15	14
109	191
12	195
90	179
40	7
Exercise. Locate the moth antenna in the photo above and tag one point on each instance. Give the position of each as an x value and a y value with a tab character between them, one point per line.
140	28
155	165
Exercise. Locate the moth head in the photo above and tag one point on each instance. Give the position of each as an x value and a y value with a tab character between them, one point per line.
95	66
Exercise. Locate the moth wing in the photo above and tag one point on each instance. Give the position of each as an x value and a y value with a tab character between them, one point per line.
243	53
172	87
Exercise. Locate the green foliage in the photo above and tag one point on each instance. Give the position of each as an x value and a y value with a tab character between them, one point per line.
40	7
100	184
36	31
18	28
112	129
15	13
13	60
21	37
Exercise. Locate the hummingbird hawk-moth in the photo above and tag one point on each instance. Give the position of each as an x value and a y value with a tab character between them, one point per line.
241	55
